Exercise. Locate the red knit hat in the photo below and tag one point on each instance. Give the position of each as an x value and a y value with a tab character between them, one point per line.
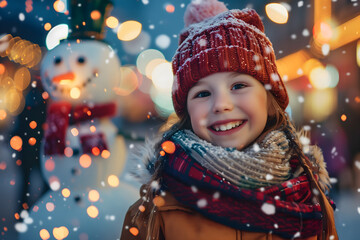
218	40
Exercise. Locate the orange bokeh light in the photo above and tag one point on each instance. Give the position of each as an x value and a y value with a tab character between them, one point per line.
85	161
2	114
32	141
16	143
159	201
44	234
74	132
113	181
92	128
162	153
47	26
168	147
95	151
59	6
92	211
343	117
45	95
3	3
95	15
94	196
2	68
33	124
60	233
50	206
112	22
134	231
169	8
105	154
65	192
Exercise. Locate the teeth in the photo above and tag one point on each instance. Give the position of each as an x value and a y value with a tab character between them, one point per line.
227	126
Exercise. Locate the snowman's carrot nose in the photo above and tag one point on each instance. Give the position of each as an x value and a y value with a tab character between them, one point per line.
64	78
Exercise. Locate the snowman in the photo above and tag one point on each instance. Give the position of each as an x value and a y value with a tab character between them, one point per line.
82	156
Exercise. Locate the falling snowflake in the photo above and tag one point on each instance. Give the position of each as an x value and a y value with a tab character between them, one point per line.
256	147
269	177
268	209
202	203
297	235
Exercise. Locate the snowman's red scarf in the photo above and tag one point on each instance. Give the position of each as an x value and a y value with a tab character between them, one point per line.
286	209
61	114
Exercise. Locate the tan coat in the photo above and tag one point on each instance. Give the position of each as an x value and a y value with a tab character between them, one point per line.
172	221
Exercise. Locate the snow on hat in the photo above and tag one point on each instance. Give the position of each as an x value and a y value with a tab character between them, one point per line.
220	40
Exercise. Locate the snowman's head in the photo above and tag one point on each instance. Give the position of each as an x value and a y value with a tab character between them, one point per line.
84	72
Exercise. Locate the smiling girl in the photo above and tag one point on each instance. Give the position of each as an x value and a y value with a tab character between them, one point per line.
233	166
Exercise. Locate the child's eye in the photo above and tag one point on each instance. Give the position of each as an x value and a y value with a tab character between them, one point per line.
202	94
238	86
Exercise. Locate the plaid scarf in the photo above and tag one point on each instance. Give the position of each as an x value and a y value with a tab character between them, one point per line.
284	209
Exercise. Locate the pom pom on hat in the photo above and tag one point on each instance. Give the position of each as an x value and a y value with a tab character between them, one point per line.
199	10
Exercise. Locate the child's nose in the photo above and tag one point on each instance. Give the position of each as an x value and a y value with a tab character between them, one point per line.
222	103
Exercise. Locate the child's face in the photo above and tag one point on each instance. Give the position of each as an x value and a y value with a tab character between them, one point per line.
228	109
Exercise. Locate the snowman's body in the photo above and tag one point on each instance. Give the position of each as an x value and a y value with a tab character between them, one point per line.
84	164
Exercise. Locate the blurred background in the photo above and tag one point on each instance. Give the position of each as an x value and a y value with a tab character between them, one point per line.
317	44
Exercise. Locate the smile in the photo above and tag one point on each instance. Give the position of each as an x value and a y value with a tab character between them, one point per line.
227	126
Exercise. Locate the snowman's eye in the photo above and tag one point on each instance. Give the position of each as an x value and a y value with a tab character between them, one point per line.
81	60
57	60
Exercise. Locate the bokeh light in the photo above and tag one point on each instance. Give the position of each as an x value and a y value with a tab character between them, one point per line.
277	13
93	196
343	117
170	8
129	30
2	68
65	192
129	81
113	181
3	114
44	234
59	6
85	161
50	206
168	147
33	124
134	231
162	77
75	93
22	78
60	233
112	22
49	165
105	154
152	65
92	211
95	15
47	26
32	141
74	132
326	103
3	3
16	143
320	78
68	152
145	57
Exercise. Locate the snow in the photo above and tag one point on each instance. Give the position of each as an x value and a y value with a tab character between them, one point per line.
268	209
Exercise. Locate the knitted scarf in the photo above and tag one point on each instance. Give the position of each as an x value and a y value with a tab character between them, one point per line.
61	114
284	208
257	166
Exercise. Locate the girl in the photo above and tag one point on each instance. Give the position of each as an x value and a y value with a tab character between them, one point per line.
233	166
